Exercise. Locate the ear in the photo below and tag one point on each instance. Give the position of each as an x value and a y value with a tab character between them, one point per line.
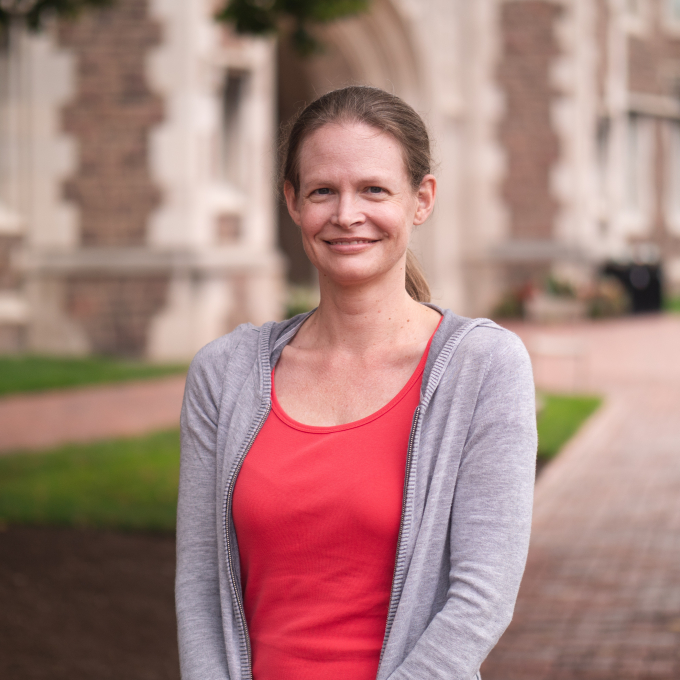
425	196
291	202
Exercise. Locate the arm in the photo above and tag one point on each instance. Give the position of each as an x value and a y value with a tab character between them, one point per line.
490	523
199	620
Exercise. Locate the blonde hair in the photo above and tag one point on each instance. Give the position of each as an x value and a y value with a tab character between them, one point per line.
383	111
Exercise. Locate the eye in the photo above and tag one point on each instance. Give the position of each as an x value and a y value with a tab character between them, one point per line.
375	190
323	191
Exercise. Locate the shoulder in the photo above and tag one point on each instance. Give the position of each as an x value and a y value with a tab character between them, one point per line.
233	352
217	354
491	340
480	347
475	339
489	371
500	357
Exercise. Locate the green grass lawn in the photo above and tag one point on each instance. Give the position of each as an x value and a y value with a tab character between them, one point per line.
131	484
672	304
560	419
122	484
28	373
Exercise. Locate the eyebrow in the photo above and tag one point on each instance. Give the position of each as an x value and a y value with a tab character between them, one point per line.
370	180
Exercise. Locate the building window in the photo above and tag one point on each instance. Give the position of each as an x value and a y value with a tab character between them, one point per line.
639	171
633	193
228	228
602	150
233	156
673	177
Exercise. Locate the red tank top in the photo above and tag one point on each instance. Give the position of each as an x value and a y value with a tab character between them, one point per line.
317	513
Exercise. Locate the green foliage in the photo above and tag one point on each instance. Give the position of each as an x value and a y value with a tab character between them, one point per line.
122	484
260	17
34	12
559	420
27	373
510	306
558	288
608	298
301	299
672	304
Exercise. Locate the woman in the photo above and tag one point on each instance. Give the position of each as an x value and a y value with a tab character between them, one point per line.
378	525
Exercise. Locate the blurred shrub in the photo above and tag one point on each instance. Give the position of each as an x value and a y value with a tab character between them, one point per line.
512	302
510	306
559	288
672	304
301	299
255	17
33	13
608	298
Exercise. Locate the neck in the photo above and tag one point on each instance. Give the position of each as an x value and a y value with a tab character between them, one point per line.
356	319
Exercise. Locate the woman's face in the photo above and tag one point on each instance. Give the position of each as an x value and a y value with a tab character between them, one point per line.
356	206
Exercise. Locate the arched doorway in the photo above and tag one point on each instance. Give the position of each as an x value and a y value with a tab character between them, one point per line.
372	49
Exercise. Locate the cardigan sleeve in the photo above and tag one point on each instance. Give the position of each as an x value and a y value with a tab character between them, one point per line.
490	523
197	599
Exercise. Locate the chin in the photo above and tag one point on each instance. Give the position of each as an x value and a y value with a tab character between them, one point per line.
355	270
352	276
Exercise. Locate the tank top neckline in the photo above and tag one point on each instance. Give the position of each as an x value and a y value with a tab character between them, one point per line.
324	429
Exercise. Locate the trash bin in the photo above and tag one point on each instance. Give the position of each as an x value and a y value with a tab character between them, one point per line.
642	283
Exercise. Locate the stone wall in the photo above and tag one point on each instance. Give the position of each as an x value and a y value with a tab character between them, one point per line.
115	312
110	118
531	146
526	133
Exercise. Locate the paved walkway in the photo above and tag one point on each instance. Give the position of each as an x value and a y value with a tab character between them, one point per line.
39	421
600	598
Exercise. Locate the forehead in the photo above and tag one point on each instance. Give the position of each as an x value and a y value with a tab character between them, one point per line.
351	146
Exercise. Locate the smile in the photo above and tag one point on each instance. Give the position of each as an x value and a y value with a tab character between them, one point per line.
352	242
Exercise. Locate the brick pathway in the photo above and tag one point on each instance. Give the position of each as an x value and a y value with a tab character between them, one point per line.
39	421
600	598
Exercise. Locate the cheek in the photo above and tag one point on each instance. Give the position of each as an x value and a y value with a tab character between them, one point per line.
394	221
313	217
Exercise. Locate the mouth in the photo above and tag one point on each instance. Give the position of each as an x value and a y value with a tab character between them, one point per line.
350	242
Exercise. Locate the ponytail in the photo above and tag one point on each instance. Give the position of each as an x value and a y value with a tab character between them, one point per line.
416	284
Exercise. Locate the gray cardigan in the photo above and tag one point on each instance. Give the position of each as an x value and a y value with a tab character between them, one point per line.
466	512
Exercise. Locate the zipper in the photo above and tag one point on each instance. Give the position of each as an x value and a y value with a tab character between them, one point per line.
393	598
227	518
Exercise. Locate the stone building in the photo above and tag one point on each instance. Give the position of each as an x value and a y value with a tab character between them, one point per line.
138	211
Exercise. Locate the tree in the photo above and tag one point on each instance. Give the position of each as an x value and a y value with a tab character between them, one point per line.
33	12
261	17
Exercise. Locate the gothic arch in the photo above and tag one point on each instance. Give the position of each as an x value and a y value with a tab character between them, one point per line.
376	48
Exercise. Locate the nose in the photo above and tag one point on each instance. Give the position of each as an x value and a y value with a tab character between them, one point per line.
348	214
